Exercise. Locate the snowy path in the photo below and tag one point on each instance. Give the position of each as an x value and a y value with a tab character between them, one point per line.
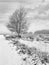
8	56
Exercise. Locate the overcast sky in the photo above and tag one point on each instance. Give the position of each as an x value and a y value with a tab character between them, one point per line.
38	12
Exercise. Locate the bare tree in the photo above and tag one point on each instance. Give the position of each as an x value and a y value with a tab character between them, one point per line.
18	21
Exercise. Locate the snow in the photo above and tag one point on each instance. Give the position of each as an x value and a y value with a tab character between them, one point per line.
39	45
8	55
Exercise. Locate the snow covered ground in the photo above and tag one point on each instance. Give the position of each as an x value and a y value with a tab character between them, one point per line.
39	45
8	55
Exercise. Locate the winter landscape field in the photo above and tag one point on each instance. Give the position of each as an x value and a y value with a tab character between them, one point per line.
24	32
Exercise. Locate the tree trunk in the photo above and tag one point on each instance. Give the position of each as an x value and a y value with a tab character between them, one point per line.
19	36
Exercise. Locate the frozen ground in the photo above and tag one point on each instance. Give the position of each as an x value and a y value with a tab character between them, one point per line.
8	56
39	45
